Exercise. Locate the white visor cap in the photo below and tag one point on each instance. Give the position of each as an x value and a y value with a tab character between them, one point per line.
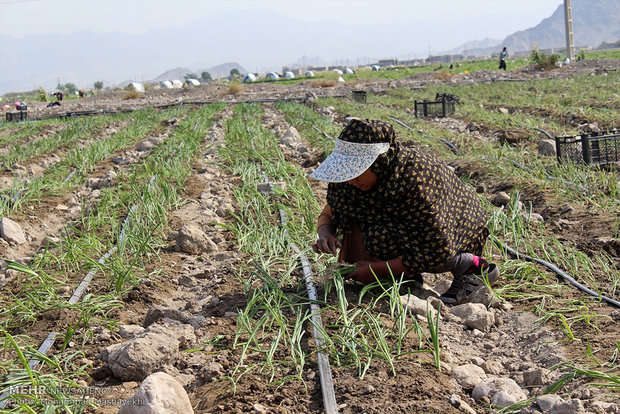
348	160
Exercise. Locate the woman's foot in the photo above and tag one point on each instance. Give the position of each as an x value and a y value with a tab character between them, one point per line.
480	275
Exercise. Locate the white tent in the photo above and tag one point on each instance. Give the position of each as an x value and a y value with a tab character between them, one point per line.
289	75
177	83
376	67
310	74
273	76
191	82
166	84
348	71
136	86
338	71
250	77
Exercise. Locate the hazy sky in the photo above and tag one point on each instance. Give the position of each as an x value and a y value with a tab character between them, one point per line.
499	18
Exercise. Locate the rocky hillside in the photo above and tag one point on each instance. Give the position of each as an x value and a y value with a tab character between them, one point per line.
594	21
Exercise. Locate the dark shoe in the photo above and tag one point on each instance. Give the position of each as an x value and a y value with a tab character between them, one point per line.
464	286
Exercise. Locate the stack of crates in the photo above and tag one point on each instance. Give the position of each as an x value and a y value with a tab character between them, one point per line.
595	149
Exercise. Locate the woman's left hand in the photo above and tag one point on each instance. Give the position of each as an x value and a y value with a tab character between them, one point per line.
364	272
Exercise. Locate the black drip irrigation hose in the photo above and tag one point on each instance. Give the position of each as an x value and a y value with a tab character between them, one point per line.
325	373
516	164
558	271
448	143
545	132
549	177
325	134
73	114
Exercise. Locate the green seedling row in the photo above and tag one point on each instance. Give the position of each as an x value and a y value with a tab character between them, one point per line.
152	188
275	318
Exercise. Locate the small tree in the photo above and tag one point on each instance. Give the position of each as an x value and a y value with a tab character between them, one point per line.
99	85
190	76
542	60
234	72
70	87
60	87
206	76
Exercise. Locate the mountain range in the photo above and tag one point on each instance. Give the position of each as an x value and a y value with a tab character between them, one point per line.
85	57
594	22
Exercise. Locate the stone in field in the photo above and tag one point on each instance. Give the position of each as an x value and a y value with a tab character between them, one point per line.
11	231
159	393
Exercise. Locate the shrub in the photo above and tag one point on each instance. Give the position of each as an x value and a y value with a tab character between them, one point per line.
323	83
581	55
444	74
132	94
234	89
542	60
42	95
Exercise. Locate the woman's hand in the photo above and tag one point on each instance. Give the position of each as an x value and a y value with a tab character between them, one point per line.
366	271
327	243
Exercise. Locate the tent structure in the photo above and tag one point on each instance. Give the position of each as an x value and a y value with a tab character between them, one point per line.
348	71
310	74
136	86
289	75
338	71
177	83
273	76
191	82
250	77
376	67
166	84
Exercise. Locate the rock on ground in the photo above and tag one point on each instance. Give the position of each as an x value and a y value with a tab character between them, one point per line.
11	231
159	393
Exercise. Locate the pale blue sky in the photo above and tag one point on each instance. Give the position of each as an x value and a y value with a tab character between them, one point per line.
499	18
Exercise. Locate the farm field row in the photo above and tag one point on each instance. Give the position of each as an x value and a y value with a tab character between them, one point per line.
199	256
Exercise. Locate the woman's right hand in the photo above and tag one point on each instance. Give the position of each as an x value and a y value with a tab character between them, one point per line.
327	243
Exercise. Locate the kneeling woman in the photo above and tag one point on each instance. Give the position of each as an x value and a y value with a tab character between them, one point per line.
399	209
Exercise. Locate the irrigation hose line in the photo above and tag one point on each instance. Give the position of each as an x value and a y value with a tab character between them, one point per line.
325	372
448	143
557	270
73	114
516	164
77	294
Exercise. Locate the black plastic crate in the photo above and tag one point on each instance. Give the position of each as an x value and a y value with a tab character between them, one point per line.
438	108
359	96
16	116
595	149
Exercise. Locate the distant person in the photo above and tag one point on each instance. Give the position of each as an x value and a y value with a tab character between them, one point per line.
59	96
502	59
82	93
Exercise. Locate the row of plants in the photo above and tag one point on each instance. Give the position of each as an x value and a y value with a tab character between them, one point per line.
138	208
524	282
272	328
78	162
